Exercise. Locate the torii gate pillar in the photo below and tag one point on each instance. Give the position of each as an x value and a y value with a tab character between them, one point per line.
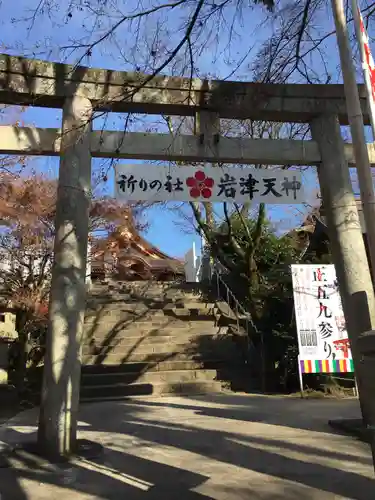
62	366
347	245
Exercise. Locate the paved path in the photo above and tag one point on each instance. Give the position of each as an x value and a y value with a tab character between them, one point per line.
220	447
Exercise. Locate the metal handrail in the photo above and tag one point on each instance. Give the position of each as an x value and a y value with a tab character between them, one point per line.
238	307
230	294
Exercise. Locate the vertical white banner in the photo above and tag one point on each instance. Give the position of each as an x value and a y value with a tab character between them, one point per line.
190	265
320	320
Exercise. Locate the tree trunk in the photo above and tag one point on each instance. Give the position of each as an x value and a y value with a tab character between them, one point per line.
22	318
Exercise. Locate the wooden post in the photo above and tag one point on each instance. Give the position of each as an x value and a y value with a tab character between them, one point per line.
346	240
62	367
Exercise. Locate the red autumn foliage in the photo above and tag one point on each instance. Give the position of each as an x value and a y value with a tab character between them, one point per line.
27	213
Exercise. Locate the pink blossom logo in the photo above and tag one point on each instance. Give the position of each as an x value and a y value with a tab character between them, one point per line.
200	185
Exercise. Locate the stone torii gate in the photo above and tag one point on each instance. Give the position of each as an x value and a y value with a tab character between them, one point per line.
79	91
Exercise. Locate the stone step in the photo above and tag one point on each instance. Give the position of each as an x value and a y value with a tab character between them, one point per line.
127	294
137	369
112	307
182	317
128	301
141	367
145	286
156	294
131	295
181	294
140	329
156	328
135	331
194	310
117	297
148	339
103	381
119	331
192	304
116	314
183	344
168	322
117	320
113	357
170	376
155	323
198	314
91	394
127	319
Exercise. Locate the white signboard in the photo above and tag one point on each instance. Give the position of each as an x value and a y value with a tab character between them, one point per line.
320	320
192	263
145	182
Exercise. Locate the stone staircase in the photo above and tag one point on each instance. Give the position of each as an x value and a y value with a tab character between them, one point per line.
155	338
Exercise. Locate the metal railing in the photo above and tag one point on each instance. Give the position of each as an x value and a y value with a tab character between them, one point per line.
229	297
234	305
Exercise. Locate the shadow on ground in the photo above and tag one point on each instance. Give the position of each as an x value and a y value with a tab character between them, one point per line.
240	407
157	449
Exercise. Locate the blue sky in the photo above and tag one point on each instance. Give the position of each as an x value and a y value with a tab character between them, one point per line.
164	224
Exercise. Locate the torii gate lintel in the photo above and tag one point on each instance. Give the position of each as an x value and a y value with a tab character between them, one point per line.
47	84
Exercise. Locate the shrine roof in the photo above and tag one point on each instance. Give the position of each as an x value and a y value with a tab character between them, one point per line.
130	238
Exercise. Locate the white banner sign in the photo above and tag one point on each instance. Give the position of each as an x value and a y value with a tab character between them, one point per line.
145	182
319	317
